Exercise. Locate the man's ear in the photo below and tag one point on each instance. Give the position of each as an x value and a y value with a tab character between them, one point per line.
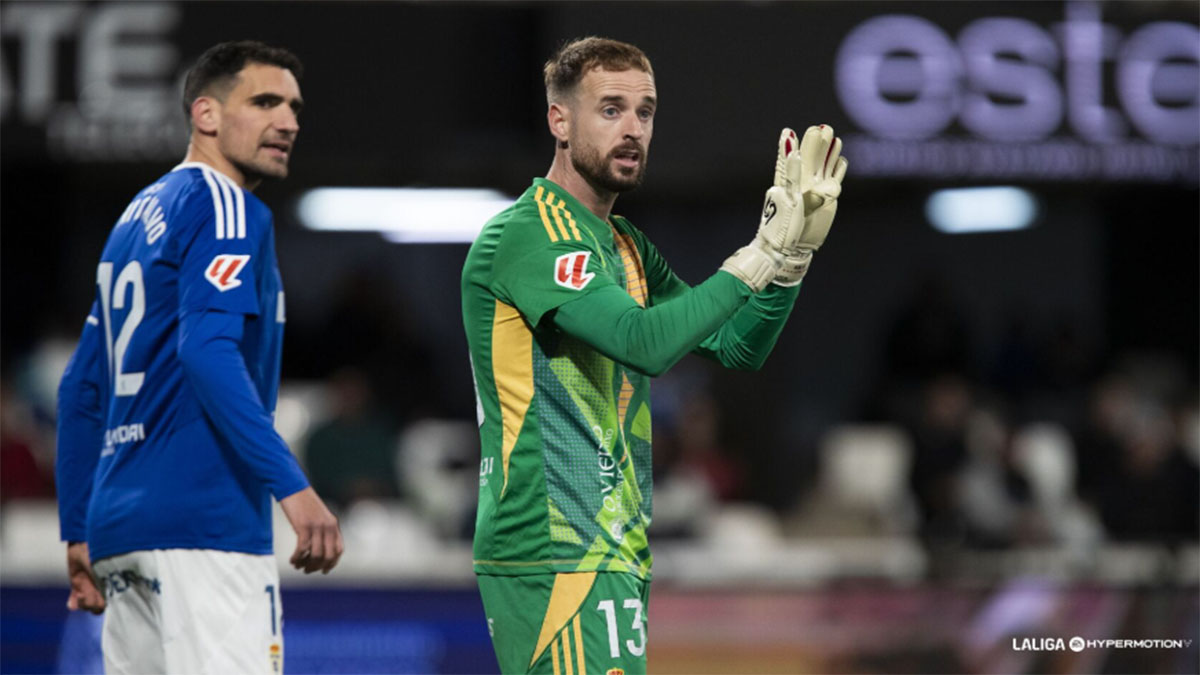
206	115
558	117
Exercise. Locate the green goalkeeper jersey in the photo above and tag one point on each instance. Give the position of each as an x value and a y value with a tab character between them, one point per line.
566	317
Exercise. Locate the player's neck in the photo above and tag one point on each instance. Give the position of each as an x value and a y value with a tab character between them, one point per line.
595	199
205	153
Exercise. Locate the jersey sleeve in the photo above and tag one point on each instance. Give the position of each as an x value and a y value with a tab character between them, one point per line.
80	429
537	275
651	339
208	351
216	266
745	340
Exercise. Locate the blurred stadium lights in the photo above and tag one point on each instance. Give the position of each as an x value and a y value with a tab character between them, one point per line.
981	209
402	215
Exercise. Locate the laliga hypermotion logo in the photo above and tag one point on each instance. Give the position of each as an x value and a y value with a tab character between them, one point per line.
570	270
223	270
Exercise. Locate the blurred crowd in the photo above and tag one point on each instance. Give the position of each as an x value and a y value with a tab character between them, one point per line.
1040	439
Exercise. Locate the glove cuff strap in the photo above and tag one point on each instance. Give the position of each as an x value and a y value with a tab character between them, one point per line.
793	269
756	265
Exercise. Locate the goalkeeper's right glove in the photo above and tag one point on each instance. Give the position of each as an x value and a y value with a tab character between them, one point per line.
782	222
823	169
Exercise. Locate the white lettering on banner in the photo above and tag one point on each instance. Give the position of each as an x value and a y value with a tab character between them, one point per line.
125	78
1014	85
1078	644
1038	644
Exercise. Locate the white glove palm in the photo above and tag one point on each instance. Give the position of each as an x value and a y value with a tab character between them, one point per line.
797	212
820	185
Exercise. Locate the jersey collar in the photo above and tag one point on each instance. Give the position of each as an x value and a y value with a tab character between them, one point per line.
202	165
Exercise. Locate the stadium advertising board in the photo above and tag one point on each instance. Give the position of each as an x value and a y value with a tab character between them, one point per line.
1080	99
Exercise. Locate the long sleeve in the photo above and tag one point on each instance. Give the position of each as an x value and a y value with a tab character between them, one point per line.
80	431
208	350
745	341
651	340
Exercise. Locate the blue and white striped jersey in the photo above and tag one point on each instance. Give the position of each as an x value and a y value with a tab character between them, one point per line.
165	422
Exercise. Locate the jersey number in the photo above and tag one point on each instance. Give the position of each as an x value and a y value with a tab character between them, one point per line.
112	296
610	615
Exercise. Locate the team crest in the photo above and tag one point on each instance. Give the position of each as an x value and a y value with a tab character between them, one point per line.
223	271
570	270
615	671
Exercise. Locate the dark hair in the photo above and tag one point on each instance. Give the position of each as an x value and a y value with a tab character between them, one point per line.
575	59
217	67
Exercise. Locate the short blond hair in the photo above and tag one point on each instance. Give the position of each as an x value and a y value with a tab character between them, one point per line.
573	60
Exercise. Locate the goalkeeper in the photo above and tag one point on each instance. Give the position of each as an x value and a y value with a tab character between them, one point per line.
569	311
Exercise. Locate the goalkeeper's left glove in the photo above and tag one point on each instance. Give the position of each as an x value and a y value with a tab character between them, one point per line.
820	183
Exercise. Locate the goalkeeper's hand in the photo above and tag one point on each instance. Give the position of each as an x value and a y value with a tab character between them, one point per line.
820	181
788	233
759	263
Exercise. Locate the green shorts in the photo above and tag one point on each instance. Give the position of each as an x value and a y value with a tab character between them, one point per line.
567	624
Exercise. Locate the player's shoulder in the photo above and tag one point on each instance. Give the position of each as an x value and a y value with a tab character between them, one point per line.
541	218
209	199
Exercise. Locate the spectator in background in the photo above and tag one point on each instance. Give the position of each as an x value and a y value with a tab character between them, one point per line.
21	475
940	442
701	452
351	456
929	335
1133	465
1151	490
374	337
996	498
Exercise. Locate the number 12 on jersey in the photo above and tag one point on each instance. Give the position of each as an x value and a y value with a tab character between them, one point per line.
112	296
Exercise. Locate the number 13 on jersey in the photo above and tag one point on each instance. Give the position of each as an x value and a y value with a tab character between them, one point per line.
610	615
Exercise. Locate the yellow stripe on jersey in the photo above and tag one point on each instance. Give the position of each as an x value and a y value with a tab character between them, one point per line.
566	644
623	400
635	285
579	646
537	197
635	274
562	206
570	589
557	215
512	368
554	658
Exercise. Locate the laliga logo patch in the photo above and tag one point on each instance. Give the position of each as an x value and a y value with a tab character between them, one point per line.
223	270
570	270
276	658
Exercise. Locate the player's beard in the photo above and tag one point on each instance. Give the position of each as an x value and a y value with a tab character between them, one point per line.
598	170
258	168
254	164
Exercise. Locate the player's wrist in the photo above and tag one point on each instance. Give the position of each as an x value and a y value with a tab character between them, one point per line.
793	268
756	264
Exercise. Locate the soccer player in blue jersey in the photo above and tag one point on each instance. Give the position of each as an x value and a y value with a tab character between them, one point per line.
167	456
